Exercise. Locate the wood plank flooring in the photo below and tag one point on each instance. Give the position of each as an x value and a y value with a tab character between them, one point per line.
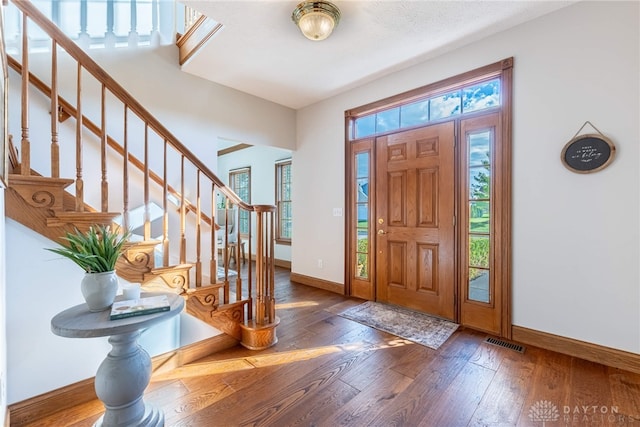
330	371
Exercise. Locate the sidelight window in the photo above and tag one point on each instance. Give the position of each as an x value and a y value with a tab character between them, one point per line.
479	167
362	207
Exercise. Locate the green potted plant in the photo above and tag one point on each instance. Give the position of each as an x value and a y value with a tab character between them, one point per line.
96	252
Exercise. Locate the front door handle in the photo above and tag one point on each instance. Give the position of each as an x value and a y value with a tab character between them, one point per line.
381	232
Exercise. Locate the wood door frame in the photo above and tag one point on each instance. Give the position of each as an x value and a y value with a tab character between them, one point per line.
502	69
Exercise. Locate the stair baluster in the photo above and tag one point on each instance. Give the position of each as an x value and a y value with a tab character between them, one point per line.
104	184
198	233
25	145
125	172
79	180
147	214
165	208
55	147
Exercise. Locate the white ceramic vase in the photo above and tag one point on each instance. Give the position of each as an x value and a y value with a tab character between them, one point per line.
99	290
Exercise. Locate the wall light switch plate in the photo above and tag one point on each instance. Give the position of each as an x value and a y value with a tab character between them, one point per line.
337	211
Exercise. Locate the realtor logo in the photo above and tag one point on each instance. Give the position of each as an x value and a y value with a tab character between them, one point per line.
544	411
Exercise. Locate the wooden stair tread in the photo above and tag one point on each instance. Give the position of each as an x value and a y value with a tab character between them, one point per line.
142	244
81	218
18	179
205	288
160	270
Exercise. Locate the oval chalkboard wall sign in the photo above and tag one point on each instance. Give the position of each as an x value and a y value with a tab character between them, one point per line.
588	153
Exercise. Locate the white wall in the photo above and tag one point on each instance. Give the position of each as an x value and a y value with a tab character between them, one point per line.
262	162
3	310
39	285
575	237
198	110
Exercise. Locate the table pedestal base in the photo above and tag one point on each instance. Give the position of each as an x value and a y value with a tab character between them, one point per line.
120	383
153	417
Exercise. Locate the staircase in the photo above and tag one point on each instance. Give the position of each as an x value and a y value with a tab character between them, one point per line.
104	159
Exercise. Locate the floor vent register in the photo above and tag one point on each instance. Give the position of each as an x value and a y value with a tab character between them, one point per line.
505	344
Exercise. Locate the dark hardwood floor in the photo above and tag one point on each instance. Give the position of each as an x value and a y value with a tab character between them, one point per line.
330	371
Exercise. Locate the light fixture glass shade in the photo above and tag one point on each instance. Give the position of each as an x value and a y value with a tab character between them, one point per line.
316	19
316	25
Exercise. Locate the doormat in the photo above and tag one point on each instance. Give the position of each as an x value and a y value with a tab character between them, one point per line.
418	327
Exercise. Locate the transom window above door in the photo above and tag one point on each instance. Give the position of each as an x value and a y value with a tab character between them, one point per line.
465	100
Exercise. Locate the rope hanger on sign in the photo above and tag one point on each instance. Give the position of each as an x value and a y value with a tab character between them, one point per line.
582	127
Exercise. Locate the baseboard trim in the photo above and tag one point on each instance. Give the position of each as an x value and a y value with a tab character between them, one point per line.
35	408
283	263
317	283
581	349
277	262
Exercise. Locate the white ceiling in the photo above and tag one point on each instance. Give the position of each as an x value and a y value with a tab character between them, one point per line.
260	51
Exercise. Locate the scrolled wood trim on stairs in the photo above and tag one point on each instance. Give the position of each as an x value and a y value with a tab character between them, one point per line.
317	283
138	259
40	192
576	348
35	408
202	303
174	278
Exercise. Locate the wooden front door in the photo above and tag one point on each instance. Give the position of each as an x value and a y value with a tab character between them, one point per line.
414	221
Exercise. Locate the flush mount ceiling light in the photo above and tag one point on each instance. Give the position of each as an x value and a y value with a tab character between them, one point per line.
316	19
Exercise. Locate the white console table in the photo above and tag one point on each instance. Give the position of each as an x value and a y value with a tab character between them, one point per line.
125	373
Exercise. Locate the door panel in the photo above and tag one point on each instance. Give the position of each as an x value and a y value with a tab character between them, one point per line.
428	197
414	216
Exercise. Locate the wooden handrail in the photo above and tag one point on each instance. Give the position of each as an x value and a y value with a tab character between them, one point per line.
125	97
66	109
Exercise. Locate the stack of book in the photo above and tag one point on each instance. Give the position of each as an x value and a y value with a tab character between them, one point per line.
139	307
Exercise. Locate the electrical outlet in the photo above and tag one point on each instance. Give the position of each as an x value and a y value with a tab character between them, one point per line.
320	264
